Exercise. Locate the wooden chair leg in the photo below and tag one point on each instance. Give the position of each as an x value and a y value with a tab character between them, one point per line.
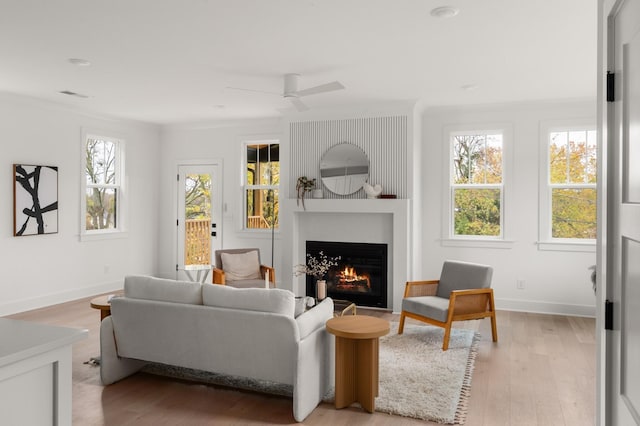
494	328
445	340
401	326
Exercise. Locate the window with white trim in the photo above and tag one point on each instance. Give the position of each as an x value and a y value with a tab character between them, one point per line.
102	189
261	185
476	184
568	192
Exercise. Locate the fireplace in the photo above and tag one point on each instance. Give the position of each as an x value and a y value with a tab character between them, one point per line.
361	274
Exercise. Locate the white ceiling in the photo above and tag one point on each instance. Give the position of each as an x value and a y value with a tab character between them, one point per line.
171	61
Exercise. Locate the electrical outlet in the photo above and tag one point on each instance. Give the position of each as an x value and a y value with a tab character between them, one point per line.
520	284
107	269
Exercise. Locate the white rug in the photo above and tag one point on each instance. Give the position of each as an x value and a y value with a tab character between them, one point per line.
417	379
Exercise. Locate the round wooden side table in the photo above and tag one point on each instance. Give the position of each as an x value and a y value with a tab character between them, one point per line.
104	304
357	345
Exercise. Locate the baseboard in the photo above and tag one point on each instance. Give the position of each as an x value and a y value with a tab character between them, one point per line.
56	298
536	306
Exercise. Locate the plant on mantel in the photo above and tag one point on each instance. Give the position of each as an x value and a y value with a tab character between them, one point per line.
303	186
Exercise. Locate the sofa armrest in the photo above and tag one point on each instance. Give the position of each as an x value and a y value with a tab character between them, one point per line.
315	317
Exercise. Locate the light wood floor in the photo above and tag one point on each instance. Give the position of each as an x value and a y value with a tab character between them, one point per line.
541	372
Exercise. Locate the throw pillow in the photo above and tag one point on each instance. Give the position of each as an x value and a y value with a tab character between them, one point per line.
241	266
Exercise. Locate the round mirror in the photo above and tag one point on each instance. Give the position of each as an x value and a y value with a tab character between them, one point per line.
344	168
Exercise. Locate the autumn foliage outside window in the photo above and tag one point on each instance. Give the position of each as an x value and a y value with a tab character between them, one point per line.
572	183
477	184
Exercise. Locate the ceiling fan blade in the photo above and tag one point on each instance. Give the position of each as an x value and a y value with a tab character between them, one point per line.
252	90
300	106
328	87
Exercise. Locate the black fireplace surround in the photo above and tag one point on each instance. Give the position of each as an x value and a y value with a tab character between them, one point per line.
361	274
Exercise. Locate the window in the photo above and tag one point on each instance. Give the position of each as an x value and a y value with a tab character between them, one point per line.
568	195
261	186
102	189
476	184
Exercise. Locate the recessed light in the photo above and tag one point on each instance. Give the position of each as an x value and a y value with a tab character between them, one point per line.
469	87
79	62
444	12
219	106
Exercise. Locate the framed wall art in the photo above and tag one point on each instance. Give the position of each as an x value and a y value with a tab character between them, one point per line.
35	200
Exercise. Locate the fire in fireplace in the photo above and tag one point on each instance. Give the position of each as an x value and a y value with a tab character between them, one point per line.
361	274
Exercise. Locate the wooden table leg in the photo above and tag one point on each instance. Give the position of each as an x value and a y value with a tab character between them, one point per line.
356	372
367	374
345	372
104	313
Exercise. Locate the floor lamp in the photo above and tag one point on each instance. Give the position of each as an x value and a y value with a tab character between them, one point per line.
270	198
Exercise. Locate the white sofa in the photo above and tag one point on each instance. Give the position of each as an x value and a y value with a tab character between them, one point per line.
243	332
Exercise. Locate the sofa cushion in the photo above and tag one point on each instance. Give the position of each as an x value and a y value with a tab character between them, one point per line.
277	301
151	288
241	266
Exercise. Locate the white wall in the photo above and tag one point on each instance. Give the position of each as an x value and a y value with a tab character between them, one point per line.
222	142
555	281
48	269
42	270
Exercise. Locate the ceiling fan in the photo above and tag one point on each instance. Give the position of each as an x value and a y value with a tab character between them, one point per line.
292	93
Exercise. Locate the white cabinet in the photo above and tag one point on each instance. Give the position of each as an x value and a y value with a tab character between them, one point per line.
35	372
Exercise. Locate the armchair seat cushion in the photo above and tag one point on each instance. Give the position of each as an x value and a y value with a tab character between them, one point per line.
433	307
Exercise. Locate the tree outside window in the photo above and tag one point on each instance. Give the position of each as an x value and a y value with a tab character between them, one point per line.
477	184
572	183
262	182
102	184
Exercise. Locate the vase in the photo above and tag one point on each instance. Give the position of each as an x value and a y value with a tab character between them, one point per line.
321	290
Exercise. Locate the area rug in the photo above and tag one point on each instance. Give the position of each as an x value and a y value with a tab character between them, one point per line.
417	379
420	380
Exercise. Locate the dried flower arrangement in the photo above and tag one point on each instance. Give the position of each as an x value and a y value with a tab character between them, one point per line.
316	266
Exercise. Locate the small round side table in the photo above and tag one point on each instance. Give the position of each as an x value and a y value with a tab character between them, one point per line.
104	304
357	344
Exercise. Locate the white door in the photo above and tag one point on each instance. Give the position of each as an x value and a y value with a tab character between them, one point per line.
623	276
199	217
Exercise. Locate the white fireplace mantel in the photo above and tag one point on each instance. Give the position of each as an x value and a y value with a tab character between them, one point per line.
400	238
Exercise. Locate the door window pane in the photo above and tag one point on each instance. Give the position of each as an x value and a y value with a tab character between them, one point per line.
197	204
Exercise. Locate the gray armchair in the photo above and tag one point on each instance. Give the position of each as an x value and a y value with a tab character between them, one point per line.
241	268
462	293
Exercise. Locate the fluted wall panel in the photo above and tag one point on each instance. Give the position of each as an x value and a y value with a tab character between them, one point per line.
383	139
